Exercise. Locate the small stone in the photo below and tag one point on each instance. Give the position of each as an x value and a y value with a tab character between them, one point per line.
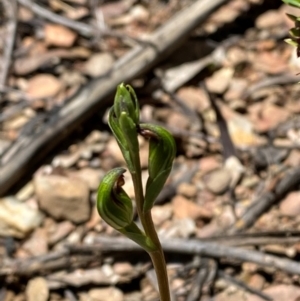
106	294
96	136
4	145
15	122
195	98
188	190
17	219
181	228
62	197
271	18
37	244
139	13
293	159
184	208
235	56
113	150
95	219
279	292
123	268
218	181
37	290
179	284
257	281
66	160
179	120
160	214
90	176
241	129
25	192
59	231
220	80
267	116
98	64
236	90
133	296
43	86
209	163
290	206
58	35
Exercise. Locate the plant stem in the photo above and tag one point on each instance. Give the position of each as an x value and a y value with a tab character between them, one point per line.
158	259
157	256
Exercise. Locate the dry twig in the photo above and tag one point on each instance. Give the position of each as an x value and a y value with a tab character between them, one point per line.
82	28
10	9
263	203
59	260
208	249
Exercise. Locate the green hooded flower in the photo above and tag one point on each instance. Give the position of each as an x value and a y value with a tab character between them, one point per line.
162	151
113	203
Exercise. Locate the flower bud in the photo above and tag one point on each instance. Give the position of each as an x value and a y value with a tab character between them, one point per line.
126	102
123	120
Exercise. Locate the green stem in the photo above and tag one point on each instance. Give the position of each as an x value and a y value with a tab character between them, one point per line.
158	259
157	256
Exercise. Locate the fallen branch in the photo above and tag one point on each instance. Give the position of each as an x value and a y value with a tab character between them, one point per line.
59	260
93	96
196	247
10	9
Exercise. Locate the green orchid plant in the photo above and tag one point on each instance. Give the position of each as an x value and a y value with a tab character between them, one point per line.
295	31
113	204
